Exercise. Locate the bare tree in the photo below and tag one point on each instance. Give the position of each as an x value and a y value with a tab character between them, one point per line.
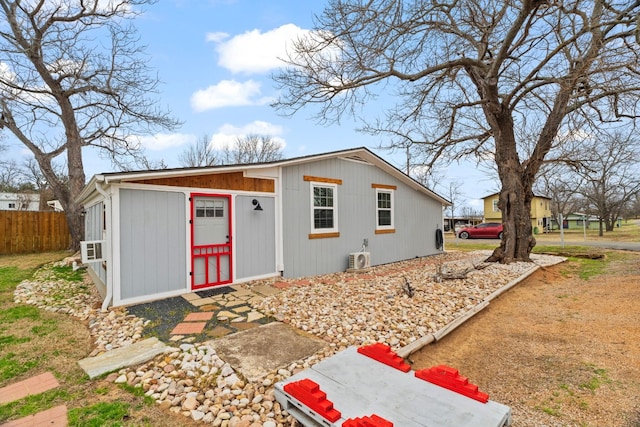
199	154
472	78
10	175
454	194
633	209
25	199
612	178
74	76
430	177
253	149
561	184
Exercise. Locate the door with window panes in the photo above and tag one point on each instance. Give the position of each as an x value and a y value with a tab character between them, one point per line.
210	240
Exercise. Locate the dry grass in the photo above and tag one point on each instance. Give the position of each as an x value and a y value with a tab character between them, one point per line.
30	261
560	349
34	341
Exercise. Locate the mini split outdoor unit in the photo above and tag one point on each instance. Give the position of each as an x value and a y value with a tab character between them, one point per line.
359	260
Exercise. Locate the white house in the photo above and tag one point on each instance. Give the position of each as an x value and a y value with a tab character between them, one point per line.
19	201
168	232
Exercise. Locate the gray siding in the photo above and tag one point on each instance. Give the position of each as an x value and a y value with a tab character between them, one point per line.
152	242
417	216
93	226
255	237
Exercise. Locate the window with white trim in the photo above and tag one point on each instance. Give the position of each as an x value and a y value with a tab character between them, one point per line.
324	208
495	206
384	209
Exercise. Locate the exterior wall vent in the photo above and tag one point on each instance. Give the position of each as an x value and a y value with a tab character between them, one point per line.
359	260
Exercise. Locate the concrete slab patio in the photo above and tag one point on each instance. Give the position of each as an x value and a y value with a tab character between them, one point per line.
257	351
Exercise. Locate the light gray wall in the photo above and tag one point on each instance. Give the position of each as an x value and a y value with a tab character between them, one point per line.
93	226
152	242
416	218
255	237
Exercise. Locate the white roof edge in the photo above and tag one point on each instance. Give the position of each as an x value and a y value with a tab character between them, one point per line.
366	154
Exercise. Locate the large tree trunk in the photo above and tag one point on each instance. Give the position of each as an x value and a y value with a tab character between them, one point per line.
517	240
75	221
66	191
75	217
516	194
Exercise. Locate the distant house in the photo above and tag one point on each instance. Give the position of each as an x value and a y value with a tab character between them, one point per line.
540	211
576	220
19	201
55	205
173	231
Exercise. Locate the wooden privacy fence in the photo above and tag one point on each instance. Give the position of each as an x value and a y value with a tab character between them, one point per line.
28	232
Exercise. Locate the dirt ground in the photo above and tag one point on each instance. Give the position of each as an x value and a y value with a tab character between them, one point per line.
559	350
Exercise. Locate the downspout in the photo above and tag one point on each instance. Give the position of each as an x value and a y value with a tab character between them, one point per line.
279	225
107	209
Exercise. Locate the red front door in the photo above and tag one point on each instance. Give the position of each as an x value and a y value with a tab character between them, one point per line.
210	240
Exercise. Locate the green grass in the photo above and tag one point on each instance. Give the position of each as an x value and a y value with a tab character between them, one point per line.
468	247
67	273
11	367
34	403
101	414
47	327
6	340
554	412
11	276
137	391
19	312
573	250
26	349
599	378
590	268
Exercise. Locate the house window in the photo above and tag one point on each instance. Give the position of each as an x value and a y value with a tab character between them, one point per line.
324	208
384	209
495	206
209	209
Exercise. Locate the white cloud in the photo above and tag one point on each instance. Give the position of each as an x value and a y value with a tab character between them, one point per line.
227	134
163	141
216	37
253	51
228	93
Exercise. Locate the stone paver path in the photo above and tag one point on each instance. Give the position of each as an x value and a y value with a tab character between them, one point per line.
56	417
133	354
34	385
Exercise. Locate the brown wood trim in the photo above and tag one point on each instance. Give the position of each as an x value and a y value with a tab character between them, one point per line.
387	231
323	235
388	187
321	179
219	181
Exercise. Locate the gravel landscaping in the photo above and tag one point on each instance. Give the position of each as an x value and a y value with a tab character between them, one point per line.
343	309
363	308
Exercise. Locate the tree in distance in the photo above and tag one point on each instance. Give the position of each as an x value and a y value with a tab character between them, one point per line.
72	76
492	79
247	149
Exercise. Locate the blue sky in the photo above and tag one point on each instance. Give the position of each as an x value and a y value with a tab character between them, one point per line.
215	59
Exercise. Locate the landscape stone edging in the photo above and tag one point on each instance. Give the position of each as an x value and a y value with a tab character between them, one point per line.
411	348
